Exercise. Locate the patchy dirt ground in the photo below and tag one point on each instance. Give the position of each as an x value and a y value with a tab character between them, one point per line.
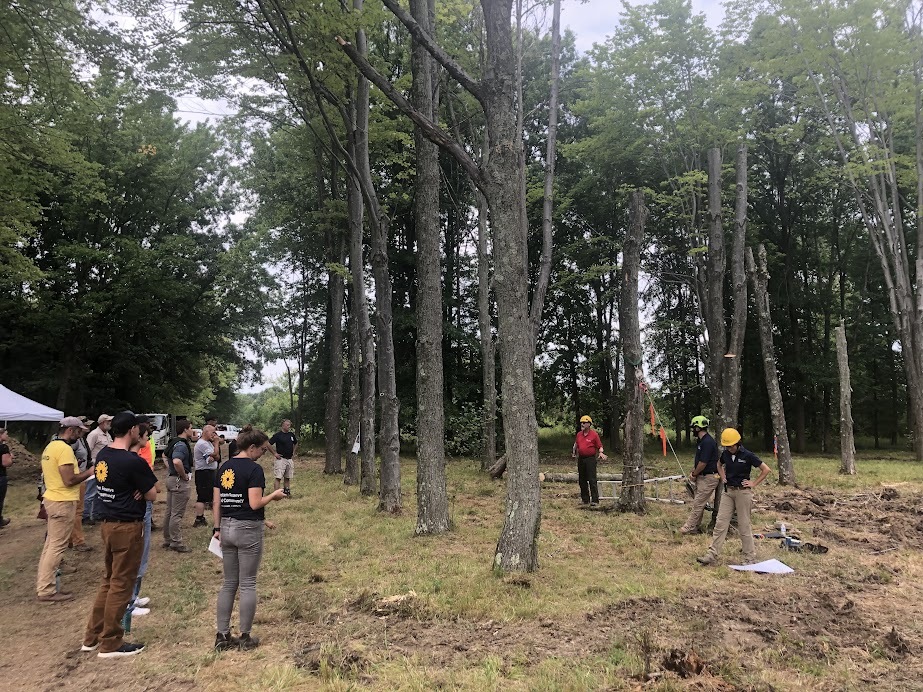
858	609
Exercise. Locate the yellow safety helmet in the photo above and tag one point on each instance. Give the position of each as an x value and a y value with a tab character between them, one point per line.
729	436
586	419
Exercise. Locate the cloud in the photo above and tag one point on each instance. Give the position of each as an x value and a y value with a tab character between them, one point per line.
595	20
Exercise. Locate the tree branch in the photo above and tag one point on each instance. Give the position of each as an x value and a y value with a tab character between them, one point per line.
431	130
421	36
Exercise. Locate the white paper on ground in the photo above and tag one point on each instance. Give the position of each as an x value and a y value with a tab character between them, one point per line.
765	567
215	547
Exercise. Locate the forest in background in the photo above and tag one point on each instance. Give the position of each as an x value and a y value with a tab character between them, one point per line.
156	265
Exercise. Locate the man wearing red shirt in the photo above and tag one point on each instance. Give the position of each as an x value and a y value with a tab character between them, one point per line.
587	449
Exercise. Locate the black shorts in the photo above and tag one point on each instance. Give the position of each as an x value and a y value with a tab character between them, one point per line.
205	485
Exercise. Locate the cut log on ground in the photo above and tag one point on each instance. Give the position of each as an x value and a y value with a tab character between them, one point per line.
498	469
573	477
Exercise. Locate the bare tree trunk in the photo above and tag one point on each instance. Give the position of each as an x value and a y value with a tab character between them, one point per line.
759	277
333	462
500	178
847	443
366	350
631	497
713	305
488	345
517	545
544	273
432	498
351	477
732	361
389	497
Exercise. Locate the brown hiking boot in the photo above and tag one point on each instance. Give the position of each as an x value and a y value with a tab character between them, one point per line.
55	598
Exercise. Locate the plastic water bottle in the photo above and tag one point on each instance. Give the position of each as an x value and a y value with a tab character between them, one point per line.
782	528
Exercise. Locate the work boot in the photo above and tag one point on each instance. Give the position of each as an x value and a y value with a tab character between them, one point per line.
181	548
247	642
690	532
225	641
4	523
706	559
83	548
199	521
55	598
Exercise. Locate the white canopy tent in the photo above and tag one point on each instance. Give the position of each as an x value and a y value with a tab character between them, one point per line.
15	406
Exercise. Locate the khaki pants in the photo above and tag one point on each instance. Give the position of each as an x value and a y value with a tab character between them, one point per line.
60	525
178	492
77	537
124	544
704	490
741	500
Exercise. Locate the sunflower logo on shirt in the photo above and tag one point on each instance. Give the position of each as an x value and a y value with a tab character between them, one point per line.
227	479
102	471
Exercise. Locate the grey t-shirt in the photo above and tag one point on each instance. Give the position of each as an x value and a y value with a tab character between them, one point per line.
82	454
181	452
201	456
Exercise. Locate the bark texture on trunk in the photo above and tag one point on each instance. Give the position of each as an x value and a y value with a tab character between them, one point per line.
544	272
517	546
631	495
730	380
333	455
432	498
847	443
366	351
725	343
488	345
351	477
759	277
389	496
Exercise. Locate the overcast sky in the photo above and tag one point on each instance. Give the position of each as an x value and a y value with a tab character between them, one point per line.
594	21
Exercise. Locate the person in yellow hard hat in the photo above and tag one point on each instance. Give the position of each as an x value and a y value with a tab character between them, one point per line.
735	466
588	448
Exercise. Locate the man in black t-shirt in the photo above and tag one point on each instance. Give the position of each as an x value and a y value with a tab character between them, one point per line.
284	442
125	483
704	474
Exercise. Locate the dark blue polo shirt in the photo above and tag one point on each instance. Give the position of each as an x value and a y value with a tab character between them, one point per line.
737	467
707	450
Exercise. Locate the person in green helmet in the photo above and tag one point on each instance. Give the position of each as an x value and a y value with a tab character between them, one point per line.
704	475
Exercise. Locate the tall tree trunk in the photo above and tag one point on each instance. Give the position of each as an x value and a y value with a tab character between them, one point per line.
517	545
847	443
488	345
730	380
366	350
432	498
759	277
389	496
333	462
544	273
351	477
713	305
631	497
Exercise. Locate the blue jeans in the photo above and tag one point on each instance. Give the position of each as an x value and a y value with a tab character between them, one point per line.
89	500
145	556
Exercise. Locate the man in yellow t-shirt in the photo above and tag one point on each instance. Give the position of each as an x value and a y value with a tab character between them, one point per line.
62	490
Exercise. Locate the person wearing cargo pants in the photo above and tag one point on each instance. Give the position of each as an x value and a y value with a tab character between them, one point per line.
178	487
705	474
734	466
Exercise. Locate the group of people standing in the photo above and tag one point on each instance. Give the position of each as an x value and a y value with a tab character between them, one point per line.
728	470
126	487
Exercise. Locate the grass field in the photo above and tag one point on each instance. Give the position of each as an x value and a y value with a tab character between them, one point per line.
350	599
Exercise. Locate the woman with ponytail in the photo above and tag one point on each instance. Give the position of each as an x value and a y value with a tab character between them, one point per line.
239	517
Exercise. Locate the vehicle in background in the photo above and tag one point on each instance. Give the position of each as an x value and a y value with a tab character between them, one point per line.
227	432
196	434
163	428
